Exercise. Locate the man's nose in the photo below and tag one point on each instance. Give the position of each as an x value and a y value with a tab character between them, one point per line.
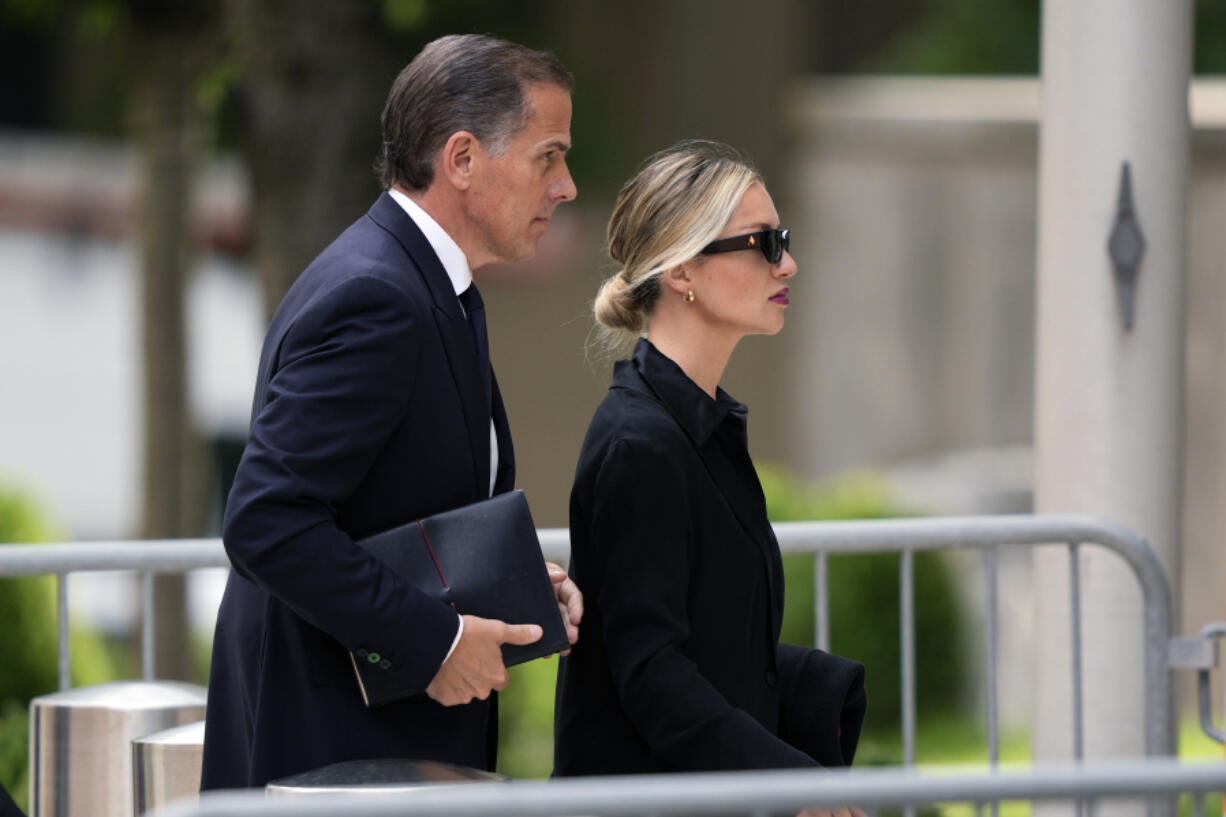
563	189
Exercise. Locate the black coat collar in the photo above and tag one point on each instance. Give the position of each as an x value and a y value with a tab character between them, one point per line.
697	414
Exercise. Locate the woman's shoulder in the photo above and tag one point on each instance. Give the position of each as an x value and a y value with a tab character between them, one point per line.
633	423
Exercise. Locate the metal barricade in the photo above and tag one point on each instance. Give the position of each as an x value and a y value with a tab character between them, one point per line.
986	534
989	534
147	557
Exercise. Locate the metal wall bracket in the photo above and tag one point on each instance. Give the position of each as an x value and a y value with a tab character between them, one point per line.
1126	246
1193	652
1201	654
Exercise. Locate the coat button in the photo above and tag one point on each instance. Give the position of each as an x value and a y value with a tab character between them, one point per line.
362	652
771	677
385	664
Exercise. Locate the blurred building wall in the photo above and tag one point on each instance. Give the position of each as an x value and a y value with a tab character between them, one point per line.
915	210
914	205
70	342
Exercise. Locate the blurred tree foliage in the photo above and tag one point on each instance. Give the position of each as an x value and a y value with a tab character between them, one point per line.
76	61
1209	38
1001	37
647	74
965	37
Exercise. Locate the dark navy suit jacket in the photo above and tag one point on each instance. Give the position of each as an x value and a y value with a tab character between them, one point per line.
369	411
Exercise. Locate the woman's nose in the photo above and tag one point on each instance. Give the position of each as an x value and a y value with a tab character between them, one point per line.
786	267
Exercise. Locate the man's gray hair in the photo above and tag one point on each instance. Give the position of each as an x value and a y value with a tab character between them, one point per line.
461	82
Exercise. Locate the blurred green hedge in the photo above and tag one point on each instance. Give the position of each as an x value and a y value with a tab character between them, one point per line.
28	642
864	614
864	599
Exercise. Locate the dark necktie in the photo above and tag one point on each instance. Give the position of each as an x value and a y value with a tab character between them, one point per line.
474	308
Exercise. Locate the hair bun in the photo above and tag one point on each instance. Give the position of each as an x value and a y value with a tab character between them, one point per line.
616	307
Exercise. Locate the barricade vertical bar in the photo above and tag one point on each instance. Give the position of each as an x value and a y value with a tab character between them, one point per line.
1074	589
1074	582
990	630
907	613
61	603
146	626
821	602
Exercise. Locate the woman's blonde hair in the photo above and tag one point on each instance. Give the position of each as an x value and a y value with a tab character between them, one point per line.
678	202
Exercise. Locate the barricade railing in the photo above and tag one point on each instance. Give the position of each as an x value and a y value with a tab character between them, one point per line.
145	556
743	793
986	534
989	534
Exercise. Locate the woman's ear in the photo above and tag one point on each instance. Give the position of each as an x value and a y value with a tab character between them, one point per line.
680	278
458	158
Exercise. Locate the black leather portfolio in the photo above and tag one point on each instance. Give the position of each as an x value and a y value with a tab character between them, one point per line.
482	559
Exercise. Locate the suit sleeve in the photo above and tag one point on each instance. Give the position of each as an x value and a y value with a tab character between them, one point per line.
343	380
640	545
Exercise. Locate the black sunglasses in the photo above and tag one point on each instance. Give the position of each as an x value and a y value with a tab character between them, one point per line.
772	243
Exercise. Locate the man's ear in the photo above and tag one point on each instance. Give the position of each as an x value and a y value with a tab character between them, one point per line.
457	159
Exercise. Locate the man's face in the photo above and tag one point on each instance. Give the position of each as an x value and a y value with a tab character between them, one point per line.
514	194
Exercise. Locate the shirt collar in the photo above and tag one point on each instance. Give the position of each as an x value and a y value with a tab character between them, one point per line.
693	408
453	259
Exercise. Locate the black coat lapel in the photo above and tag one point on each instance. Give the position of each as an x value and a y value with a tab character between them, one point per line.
741	495
735	480
453	330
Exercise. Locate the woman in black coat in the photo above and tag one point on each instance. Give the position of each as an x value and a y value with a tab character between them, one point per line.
678	666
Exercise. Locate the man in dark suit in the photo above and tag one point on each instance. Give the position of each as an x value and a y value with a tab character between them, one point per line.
374	405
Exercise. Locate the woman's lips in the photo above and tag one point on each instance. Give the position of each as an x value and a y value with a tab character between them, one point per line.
781	297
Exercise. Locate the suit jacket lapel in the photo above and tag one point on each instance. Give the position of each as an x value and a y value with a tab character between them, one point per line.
505	480
453	330
458	344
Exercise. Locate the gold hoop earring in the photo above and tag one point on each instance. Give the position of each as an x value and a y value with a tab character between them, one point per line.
689	296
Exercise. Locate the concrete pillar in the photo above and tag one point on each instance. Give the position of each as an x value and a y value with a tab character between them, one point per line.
1109	400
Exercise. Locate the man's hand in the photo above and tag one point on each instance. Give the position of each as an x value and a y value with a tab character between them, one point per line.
474	667
570	601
